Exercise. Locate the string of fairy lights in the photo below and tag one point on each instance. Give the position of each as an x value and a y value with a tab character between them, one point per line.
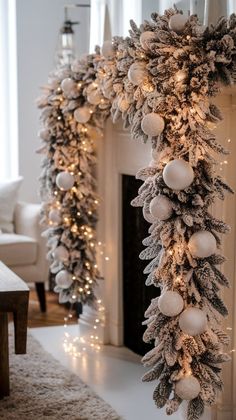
79	345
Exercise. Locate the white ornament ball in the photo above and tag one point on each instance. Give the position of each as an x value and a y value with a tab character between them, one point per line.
64	279
108	50
145	38
65	181
147	216
68	86
178	174
94	97
61	254
161	207
137	73
82	115
202	244
177	22
188	388
193	321
152	124
44	134
170	303
55	216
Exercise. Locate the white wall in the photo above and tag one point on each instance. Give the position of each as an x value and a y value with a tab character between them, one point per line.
38	24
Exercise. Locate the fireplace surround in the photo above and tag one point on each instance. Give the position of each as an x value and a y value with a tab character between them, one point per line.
119	155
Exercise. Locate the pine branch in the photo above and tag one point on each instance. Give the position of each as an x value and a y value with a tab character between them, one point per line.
195	409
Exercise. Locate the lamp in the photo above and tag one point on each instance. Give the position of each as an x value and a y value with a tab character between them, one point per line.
66	50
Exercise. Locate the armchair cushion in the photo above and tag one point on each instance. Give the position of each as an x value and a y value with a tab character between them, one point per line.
8	197
26	218
16	250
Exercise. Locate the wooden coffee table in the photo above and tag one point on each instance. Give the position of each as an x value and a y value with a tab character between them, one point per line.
14	297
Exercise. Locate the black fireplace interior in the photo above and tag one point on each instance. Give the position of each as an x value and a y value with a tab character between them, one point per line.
136	296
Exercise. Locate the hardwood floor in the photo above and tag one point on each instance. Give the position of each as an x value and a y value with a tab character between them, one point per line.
55	312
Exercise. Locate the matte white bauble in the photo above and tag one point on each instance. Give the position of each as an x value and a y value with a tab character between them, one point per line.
137	73
193	321
177	22
107	49
82	115
178	174
145	38
44	134
61	254
161	207
147	216
55	216
152	124
188	388
68	85
94	97
170	303
202	244
64	279
65	181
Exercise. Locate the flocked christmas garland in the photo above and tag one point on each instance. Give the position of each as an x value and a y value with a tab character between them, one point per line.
68	185
160	80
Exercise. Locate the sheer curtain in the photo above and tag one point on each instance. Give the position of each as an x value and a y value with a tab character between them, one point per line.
8	91
111	17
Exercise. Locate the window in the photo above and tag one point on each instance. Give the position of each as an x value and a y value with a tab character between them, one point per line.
8	91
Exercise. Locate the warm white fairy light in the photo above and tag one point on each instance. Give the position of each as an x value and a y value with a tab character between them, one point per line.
80	345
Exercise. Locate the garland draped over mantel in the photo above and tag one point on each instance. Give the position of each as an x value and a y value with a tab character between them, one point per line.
160	80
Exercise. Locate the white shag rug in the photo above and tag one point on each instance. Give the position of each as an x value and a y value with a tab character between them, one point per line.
41	388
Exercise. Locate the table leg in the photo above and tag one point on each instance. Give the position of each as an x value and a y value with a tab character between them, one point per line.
20	324
4	356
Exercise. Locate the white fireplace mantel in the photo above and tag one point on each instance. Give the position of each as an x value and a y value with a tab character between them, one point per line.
119	154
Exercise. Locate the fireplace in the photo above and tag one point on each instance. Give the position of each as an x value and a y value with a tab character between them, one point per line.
120	158
119	155
136	295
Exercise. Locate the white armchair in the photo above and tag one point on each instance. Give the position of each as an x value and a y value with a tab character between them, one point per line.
24	251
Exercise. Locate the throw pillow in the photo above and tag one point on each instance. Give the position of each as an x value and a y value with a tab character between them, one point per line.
8	198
